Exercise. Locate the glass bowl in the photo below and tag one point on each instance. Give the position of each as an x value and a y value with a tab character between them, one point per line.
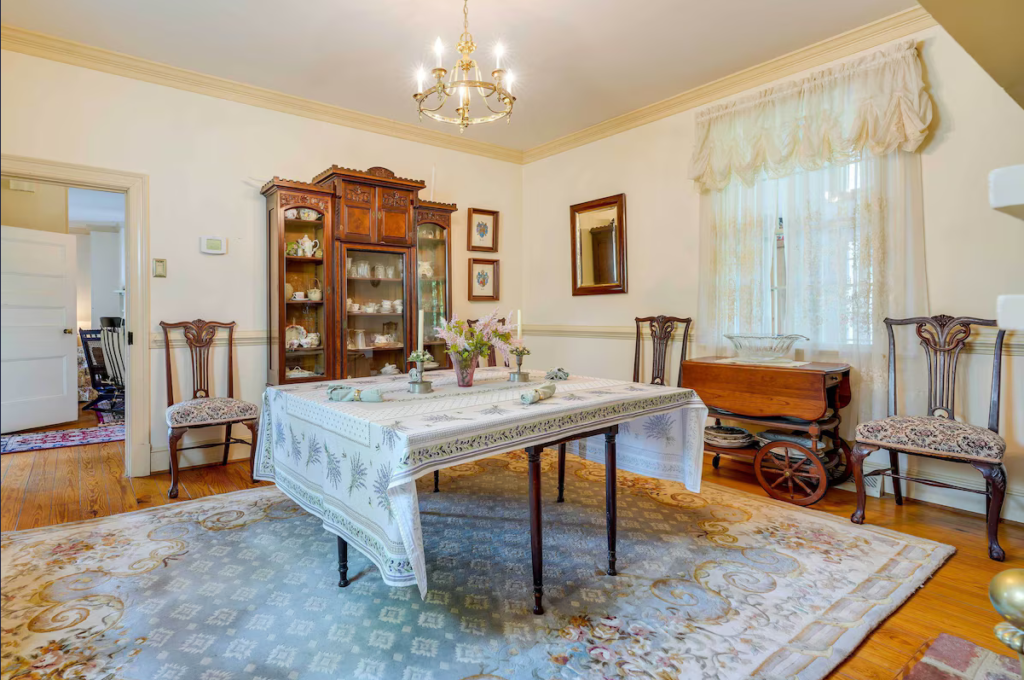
761	348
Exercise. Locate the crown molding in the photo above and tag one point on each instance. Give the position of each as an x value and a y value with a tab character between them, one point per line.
77	54
865	37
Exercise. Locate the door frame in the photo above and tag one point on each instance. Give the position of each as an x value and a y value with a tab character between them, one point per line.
135	187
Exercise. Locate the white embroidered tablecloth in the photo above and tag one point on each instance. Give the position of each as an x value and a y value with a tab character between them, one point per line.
354	464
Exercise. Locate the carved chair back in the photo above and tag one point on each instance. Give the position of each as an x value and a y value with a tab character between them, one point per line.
662	328
199	336
943	338
492	357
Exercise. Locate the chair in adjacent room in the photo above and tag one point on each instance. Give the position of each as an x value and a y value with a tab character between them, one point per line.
203	410
105	356
937	434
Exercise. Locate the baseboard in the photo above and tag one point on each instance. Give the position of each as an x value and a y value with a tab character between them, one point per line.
160	458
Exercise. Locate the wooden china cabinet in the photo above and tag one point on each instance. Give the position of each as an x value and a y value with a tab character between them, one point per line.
345	252
433	275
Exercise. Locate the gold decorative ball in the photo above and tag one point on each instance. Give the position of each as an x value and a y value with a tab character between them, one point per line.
1007	594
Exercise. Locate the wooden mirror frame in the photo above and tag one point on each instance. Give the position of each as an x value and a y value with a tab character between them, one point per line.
619	202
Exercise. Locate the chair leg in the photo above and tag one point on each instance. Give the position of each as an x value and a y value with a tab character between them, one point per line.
995	481
561	473
857	456
227	443
173	435
897	484
437	479
253	426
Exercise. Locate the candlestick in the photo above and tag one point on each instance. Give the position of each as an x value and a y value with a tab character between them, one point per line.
419	345
438	50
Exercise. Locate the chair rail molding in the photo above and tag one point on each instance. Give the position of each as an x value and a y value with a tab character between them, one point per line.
135	187
865	37
242	339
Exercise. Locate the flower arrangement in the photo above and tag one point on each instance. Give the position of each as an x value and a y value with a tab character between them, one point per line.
466	343
420	355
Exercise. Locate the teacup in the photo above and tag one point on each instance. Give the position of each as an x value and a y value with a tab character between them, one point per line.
385	306
354	307
299	295
309	214
291	214
371	307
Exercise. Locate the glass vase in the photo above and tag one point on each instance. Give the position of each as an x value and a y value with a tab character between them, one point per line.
464	367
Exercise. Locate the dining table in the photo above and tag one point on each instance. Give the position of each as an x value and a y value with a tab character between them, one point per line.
354	464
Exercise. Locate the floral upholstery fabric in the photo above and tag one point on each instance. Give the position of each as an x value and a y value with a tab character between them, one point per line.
934	435
209	410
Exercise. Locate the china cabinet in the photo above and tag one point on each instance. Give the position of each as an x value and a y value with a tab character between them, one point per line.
352	258
433	274
299	218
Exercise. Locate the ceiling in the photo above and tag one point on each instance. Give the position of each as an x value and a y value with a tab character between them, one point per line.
577	62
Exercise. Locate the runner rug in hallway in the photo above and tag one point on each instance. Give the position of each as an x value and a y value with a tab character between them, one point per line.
720	585
57	439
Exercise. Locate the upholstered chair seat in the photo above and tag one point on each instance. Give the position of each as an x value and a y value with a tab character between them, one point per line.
210	411
934	436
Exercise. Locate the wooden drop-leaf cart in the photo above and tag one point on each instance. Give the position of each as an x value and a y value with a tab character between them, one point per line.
804	400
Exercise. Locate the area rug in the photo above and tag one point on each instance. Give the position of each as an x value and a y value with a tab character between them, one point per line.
718	585
951	658
57	439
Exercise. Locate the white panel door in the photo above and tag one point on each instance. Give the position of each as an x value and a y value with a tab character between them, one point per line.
38	346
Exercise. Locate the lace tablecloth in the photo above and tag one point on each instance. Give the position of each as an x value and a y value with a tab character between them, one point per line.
354	464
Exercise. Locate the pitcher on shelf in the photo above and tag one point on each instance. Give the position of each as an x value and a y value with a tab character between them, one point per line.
307	247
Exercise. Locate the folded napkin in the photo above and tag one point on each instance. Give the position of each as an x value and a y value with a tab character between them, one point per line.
342	393
557	374
545	391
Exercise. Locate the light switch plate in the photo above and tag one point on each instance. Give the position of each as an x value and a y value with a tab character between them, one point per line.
159	268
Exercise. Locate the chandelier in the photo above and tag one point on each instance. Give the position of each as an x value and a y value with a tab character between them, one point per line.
463	82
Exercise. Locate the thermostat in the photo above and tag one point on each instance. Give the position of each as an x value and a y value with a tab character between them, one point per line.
213	245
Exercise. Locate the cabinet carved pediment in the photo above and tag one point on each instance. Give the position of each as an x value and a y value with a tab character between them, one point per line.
289	199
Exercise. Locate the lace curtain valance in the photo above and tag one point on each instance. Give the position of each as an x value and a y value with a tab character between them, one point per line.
876	103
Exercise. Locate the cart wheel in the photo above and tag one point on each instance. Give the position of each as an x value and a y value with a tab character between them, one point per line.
837	463
789	472
716	461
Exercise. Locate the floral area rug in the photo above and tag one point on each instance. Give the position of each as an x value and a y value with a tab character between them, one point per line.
58	439
243	586
953	658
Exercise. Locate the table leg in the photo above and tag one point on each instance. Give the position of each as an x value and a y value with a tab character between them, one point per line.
536	537
610	490
437	478
561	473
342	562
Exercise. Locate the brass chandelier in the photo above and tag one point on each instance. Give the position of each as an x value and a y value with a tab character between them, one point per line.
495	95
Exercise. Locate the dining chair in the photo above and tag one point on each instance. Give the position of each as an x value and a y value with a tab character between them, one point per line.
938	434
662	328
203	410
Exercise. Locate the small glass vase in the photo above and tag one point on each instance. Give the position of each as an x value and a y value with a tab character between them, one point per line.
464	367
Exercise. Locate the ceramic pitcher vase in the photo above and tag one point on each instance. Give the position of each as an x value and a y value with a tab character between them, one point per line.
464	367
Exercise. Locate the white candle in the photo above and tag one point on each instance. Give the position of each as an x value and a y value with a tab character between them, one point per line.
420	345
420	77
509	79
519	324
438	50
498	51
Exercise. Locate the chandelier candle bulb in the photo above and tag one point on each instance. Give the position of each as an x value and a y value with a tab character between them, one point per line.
498	50
438	50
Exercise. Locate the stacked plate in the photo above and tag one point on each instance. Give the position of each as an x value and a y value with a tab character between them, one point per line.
727	437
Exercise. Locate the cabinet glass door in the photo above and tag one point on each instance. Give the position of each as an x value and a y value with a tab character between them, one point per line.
304	309
432	288
374	311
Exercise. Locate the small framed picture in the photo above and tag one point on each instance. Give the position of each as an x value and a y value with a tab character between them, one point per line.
483	230
483	280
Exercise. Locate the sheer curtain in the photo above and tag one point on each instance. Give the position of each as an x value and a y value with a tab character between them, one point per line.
832	156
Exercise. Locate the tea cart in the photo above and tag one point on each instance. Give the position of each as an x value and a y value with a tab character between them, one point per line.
800	403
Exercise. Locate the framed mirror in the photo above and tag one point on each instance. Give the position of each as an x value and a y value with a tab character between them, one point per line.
598	231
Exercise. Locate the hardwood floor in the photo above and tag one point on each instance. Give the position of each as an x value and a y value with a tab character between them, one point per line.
41	488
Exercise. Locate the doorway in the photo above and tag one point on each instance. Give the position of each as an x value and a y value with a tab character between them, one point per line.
89	256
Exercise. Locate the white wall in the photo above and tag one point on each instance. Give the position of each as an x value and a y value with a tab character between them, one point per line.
107	274
973	253
206	159
83	284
